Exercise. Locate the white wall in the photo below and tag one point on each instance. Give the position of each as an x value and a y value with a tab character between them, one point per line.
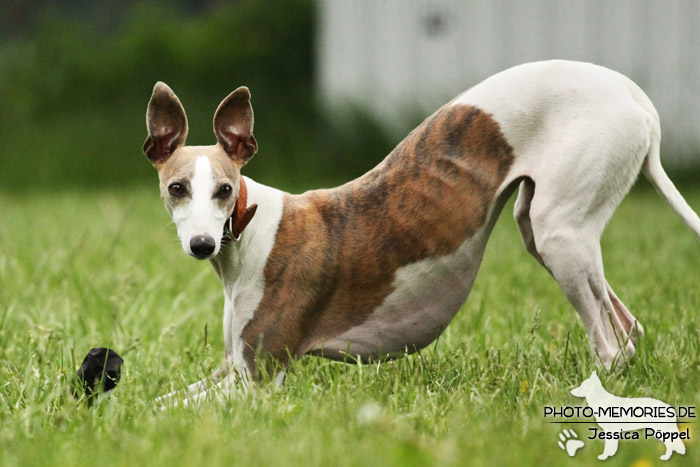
390	56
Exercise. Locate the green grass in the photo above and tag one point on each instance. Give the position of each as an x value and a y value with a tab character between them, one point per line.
94	268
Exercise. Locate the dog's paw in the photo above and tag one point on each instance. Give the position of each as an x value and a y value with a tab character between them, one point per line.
569	442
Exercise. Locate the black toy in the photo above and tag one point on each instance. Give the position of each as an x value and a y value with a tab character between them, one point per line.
99	372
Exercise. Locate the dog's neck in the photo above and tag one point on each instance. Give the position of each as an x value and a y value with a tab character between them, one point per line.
241	261
241	216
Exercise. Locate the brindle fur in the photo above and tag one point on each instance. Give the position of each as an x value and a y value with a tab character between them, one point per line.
428	196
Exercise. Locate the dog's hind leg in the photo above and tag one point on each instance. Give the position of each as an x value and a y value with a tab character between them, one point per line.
565	230
629	323
574	259
521	213
574	189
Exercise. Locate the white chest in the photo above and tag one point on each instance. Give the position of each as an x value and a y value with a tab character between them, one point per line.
242	268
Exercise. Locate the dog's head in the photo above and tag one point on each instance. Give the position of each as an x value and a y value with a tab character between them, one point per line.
587	386
199	184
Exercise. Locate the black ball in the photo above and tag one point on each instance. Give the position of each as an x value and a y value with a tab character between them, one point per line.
100	372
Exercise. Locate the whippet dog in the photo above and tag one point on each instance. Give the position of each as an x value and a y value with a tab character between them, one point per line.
379	266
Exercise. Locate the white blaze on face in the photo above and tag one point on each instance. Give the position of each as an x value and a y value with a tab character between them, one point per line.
201	215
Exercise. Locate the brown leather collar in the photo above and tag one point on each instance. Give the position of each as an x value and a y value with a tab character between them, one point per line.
241	216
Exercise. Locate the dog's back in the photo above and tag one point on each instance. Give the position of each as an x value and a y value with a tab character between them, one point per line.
381	265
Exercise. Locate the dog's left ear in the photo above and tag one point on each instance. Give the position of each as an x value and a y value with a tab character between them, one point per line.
233	126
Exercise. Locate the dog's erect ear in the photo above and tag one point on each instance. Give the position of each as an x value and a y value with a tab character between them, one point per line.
166	122
233	126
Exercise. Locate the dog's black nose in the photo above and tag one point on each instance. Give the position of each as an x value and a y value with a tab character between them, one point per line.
202	246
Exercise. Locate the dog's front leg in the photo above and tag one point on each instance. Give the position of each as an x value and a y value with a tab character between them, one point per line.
234	383
195	390
222	380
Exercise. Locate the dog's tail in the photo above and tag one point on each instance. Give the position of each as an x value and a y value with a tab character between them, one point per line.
657	176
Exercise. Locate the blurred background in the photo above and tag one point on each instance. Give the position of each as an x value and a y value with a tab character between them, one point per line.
335	84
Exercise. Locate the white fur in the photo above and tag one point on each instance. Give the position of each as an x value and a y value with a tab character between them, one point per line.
550	111
241	267
581	132
201	216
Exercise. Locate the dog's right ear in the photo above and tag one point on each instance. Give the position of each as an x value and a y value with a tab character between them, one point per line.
166	123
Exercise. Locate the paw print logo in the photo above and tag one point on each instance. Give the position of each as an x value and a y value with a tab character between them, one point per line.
569	442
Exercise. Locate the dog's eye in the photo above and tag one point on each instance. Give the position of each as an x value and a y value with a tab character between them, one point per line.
176	189
225	191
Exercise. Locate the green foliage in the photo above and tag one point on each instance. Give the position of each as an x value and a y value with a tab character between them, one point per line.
94	268
74	98
84	267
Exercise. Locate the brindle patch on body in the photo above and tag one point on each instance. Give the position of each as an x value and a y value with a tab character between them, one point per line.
337	251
